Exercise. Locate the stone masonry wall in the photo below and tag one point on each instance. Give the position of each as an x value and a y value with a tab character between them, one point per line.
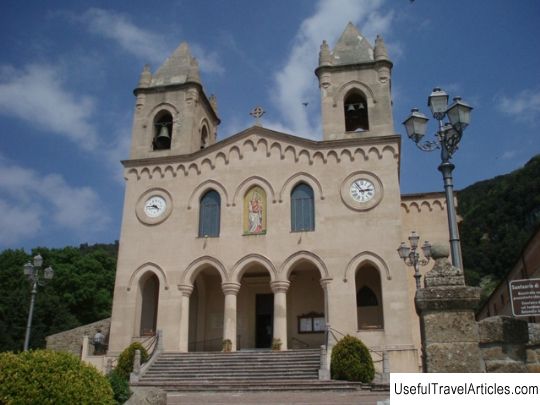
509	345
71	340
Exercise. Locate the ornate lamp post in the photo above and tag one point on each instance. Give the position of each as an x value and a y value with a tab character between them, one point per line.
412	258
32	272
447	140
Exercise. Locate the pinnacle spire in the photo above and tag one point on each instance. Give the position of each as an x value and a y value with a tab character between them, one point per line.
380	49
180	67
352	47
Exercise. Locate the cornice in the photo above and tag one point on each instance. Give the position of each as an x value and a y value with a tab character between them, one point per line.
271	138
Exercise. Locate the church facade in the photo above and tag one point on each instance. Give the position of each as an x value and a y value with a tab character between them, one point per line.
265	237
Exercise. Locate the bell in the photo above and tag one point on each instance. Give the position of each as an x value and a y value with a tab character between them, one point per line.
163	140
350	107
361	106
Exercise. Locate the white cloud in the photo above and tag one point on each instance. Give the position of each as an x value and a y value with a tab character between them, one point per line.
524	106
142	43
31	202
295	82
18	223
37	95
208	61
509	154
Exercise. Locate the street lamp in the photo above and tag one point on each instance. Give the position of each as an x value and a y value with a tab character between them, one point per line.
412	258
447	140
32	272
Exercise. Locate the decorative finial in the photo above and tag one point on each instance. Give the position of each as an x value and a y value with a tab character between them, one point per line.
257	113
194	75
325	58
213	102
380	49
146	77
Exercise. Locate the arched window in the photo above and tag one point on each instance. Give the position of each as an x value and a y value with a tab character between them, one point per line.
369	309
209	214
365	297
356	112
149	305
163	124
302	208
205	141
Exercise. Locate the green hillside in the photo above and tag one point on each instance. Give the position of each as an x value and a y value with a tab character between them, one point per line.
79	293
499	216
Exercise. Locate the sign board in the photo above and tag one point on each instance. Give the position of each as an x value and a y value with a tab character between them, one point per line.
525	297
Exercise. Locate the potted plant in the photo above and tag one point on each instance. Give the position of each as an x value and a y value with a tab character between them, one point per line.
276	344
227	345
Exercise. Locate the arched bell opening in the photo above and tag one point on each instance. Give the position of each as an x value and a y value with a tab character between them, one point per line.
356	112
205	138
163	125
206	308
369	308
149	290
306	321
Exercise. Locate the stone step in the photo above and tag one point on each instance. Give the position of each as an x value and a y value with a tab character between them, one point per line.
225	365
248	386
234	373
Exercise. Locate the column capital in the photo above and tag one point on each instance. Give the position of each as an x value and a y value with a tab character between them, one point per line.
185	289
280	286
230	288
325	281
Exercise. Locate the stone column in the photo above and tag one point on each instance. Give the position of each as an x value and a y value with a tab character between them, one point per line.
229	317
186	290
280	311
447	323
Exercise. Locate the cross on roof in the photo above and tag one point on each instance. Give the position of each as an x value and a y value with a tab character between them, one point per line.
257	113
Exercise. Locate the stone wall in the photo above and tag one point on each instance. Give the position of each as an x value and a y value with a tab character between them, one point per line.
71	340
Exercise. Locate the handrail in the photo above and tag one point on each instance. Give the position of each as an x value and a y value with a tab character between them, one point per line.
300	342
138	370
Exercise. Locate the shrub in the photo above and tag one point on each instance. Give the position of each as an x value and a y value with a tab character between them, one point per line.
351	361
125	361
48	377
120	387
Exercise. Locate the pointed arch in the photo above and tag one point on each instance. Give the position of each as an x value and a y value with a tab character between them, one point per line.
246	184
196	266
366	258
149	266
241	266
205	186
300	256
298	178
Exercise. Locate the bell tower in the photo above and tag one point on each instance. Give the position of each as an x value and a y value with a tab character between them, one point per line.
173	116
355	83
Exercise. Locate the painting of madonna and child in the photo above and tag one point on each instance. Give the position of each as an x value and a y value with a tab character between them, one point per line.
255	211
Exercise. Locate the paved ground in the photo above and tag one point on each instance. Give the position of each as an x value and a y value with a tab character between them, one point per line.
276	398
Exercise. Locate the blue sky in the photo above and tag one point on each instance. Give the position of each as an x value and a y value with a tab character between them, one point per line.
67	71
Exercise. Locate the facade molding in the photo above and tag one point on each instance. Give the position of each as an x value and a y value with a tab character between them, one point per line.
148	267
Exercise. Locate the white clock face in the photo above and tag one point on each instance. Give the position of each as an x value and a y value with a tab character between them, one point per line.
155	206
362	190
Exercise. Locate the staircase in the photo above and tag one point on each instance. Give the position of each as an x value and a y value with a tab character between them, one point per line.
291	370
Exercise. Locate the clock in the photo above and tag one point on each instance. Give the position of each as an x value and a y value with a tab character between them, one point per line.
362	190
155	206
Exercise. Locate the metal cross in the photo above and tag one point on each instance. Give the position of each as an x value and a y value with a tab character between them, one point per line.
257	113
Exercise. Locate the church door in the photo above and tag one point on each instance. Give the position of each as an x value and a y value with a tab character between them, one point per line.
264	318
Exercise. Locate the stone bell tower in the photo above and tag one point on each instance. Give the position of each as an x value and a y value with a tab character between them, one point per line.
355	83
173	116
